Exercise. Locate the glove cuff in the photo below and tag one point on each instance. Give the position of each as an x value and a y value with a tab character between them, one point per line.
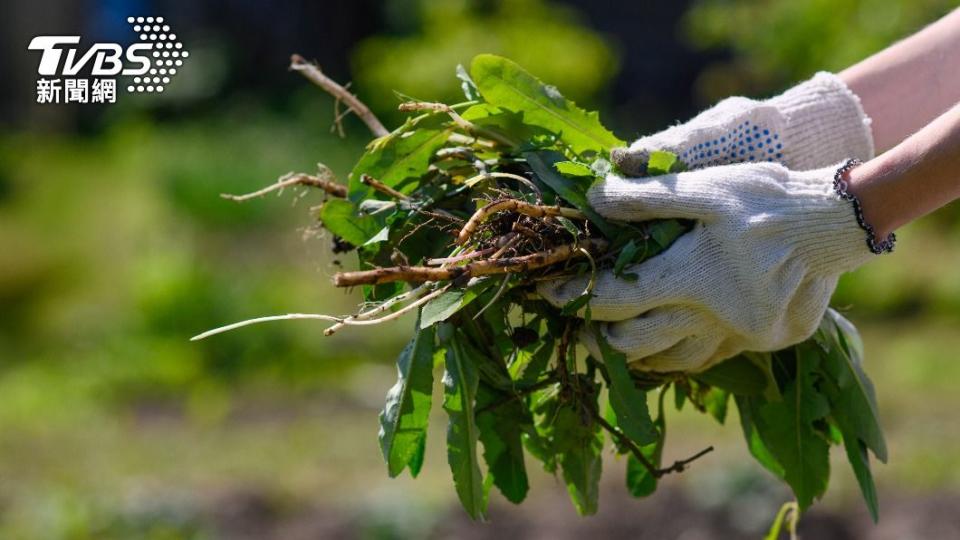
833	240
824	123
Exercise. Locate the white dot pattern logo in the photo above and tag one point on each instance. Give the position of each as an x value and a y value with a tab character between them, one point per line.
165	49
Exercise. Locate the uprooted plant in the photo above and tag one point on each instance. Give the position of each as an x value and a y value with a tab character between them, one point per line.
457	214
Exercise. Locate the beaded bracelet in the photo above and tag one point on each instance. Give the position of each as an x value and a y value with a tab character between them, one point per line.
840	186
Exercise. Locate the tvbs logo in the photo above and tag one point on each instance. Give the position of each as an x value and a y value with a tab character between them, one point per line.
148	64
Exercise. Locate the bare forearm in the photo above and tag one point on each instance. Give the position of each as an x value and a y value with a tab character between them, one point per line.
914	178
910	83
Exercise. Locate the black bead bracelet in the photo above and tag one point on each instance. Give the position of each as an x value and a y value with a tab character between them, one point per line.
840	186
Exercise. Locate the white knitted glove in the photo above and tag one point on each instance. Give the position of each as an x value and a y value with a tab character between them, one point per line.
754	274
812	125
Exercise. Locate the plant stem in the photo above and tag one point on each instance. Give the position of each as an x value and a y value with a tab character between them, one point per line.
678	466
294	179
313	74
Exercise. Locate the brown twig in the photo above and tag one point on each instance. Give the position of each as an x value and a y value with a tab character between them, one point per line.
294	179
513	205
678	466
313	74
381	187
417	274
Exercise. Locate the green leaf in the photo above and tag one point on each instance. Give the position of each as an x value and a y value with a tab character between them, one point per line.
396	159
444	306
339	217
738	375
573	168
715	401
460	381
568	225
748	409
860	462
582	463
787	430
501	427
852	401
505	84
665	232
534	369
852	397
625	257
542	164
568	437
640	483
404	419
661	163
576	304
629	402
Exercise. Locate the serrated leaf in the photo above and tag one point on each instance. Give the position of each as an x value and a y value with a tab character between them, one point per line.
787	430
568	438
573	168
505	84
404	419
582	466
501	428
339	217
737	375
628	401
460	381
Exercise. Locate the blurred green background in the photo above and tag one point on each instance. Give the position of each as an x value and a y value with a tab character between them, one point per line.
117	249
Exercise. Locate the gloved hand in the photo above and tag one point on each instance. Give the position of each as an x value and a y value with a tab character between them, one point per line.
812	125
754	274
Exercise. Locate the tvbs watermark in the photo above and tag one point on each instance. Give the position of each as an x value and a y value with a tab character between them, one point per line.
67	76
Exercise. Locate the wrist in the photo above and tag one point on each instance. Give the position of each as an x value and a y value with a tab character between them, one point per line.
869	184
